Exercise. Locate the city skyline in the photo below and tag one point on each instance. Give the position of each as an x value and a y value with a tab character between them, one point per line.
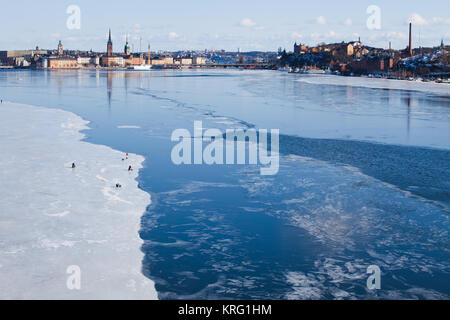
200	25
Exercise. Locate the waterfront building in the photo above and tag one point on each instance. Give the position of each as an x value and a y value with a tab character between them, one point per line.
21	62
199	60
132	60
111	60
158	62
300	49
184	61
8	57
88	60
350	49
62	63
168	60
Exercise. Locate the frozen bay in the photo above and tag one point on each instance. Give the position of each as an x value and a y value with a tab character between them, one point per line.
363	180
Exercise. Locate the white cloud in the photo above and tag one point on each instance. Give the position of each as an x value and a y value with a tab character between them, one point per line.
331	34
315	35
296	35
137	28
417	19
385	37
321	20
439	20
328	36
173	35
395	35
247	22
348	22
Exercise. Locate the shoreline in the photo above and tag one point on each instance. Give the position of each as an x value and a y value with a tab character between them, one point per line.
417	79
53	217
376	83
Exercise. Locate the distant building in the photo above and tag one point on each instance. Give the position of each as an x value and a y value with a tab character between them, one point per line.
158	61
84	60
88	60
8	57
111	60
168	60
350	49
62	63
42	63
184	61
132	60
300	49
342	50
375	63
199	60
20	62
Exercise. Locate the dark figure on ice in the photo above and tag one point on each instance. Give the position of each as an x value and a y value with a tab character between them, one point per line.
73	166
130	168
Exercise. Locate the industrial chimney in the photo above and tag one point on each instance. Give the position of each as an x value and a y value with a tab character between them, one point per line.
410	40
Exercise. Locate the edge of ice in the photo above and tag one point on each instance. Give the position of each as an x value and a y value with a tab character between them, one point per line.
53	217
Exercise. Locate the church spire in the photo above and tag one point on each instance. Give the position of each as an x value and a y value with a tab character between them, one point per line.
110	46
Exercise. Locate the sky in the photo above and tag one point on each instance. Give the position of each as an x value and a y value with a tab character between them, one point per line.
199	24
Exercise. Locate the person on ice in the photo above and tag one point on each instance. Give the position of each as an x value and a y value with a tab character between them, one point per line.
130	168
73	165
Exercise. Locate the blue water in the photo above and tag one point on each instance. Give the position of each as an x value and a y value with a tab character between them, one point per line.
364	180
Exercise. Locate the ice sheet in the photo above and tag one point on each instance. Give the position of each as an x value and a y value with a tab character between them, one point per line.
53	216
429	87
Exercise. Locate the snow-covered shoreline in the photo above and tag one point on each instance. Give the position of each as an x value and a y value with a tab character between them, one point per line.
53	217
377	83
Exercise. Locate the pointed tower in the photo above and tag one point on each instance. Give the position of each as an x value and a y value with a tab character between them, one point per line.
60	48
127	49
149	55
110	46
